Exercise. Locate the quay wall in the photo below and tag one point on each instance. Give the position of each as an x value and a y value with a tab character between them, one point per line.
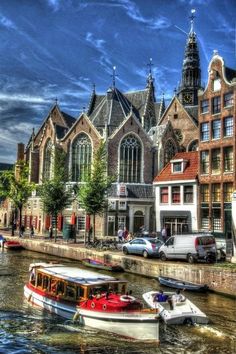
219	279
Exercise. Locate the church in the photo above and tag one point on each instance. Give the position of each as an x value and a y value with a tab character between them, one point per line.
142	135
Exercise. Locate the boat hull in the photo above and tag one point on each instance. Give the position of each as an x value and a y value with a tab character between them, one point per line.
180	284
13	245
183	312
136	325
102	266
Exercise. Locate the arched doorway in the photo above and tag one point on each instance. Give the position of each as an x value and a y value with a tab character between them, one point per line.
138	220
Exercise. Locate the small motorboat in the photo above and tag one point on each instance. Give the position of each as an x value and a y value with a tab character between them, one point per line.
181	284
91	299
178	312
88	262
13	245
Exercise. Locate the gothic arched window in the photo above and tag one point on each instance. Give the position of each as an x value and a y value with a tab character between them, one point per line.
47	162
193	146
130	160
81	158
169	151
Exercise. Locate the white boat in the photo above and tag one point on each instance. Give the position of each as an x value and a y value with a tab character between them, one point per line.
91	299
182	312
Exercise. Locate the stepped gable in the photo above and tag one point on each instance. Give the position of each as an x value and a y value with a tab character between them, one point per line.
190	172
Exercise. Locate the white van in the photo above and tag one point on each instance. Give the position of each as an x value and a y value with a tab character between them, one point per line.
189	247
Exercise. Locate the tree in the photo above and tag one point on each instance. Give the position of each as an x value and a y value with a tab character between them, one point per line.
93	194
15	185
55	193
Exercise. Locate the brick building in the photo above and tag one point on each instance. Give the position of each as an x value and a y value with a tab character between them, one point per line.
217	148
176	194
141	138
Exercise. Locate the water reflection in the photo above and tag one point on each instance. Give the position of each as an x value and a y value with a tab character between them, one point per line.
27	329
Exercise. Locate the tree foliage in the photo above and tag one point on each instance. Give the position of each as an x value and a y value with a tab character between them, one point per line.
93	194
15	185
55	193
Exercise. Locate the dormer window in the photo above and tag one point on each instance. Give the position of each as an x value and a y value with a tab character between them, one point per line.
178	166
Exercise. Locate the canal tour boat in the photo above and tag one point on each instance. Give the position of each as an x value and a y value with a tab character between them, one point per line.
182	311
91	299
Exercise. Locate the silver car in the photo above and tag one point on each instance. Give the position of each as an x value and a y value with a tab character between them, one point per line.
145	246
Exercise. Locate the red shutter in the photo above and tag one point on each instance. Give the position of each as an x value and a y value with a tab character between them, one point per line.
72	219
47	222
87	222
59	222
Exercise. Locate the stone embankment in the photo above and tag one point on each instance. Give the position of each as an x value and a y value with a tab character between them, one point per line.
218	278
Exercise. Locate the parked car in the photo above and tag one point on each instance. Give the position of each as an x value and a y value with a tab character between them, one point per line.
191	247
146	246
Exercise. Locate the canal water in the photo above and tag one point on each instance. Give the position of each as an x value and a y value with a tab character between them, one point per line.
26	329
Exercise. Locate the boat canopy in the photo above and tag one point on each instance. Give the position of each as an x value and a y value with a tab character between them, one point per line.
73	274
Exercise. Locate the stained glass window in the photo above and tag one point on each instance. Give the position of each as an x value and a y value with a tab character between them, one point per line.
130	160
81	158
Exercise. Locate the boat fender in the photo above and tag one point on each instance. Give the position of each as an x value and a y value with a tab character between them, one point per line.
76	316
29	297
92	305
127	298
104	307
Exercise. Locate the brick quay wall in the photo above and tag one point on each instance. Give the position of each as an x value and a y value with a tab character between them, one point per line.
219	279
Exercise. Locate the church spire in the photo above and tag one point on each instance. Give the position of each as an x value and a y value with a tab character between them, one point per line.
162	107
150	77
191	72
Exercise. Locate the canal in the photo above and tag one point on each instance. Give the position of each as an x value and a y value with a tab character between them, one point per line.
27	329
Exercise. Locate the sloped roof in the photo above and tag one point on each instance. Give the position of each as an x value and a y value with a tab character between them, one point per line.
69	120
114	107
190	172
109	109
139	191
193	112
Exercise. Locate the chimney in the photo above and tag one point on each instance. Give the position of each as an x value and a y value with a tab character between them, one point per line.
20	151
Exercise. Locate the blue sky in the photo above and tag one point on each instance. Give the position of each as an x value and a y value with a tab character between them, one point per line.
58	48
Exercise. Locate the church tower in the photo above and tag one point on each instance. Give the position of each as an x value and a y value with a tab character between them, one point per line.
191	72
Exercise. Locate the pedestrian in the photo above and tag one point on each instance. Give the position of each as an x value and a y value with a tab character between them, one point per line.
22	230
120	234
125	234
176	298
164	234
31	231
50	232
129	236
160	297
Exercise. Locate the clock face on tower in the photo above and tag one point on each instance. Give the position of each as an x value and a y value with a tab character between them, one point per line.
188	98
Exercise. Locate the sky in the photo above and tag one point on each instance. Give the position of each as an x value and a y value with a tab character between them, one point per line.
57	49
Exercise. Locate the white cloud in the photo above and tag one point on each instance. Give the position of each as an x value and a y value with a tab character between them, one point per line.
54	4
133	12
7	23
97	43
23	98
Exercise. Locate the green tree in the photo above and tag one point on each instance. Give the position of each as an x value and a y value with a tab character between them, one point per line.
93	194
15	185
55	193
